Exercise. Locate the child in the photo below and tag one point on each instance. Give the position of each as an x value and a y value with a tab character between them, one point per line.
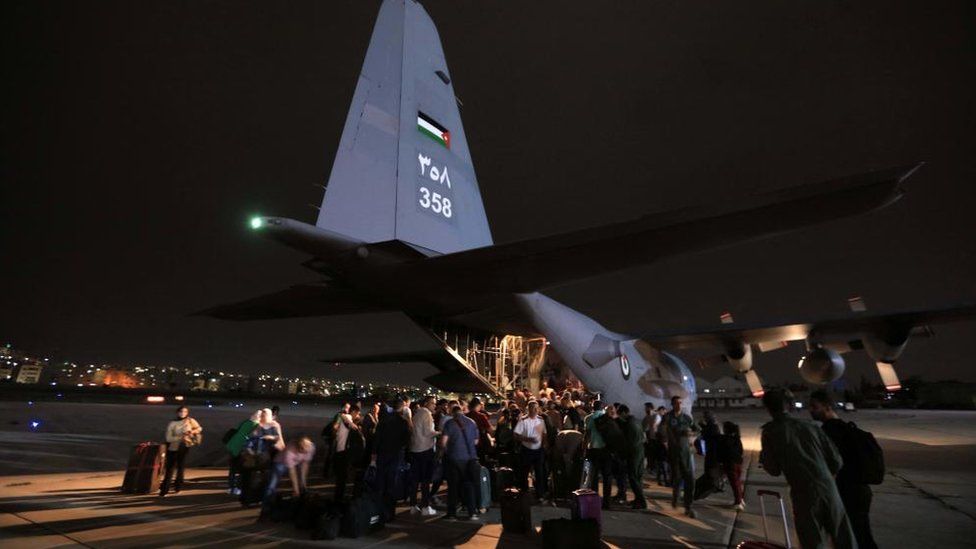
730	456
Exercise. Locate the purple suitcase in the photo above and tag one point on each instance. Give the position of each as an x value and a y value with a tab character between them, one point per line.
586	504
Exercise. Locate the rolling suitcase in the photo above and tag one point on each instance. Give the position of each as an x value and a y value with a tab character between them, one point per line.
145	469
485	484
560	484
516	511
563	533
766	544
504	478
586	504
253	484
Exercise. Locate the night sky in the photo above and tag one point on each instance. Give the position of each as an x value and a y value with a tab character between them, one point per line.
138	137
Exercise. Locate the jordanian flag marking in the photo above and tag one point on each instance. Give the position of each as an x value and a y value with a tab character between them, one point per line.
433	130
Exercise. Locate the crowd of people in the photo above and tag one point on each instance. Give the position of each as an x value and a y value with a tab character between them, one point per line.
403	451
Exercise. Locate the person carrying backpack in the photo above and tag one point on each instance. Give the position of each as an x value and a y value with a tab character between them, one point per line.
863	465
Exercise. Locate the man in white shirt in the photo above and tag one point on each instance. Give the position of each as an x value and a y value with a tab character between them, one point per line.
421	456
531	432
347	424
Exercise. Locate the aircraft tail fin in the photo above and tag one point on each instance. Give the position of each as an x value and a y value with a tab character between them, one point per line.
403	170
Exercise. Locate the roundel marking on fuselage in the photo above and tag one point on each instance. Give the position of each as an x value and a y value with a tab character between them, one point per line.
625	366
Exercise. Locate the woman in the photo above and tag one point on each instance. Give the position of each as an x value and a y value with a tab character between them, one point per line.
181	434
268	434
235	441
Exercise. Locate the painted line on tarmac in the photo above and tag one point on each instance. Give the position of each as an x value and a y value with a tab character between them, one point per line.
930	495
44	527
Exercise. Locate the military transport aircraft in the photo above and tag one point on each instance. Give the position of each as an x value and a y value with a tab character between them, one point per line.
402	228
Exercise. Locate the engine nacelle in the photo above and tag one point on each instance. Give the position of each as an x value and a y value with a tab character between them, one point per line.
886	347
821	366
740	357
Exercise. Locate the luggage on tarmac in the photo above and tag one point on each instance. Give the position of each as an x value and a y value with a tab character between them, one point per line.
560	483
485	480
504	478
766	544
586	504
327	526
144	472
516	511
363	514
253	483
285	508
402	484
564	533
313	506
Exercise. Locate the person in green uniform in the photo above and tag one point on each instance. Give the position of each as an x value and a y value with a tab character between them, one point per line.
804	454
679	429
235	440
634	433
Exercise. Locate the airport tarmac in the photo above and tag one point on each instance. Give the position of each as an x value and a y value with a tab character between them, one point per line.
926	499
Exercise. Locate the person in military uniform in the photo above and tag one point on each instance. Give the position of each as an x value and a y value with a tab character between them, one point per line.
679	429
634	434
804	454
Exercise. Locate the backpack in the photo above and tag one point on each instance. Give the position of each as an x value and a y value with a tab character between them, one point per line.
867	457
228	435
609	429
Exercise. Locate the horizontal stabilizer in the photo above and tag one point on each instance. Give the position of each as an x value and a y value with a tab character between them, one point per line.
531	265
456	374
296	301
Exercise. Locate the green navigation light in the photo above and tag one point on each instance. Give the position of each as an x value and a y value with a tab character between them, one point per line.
256	222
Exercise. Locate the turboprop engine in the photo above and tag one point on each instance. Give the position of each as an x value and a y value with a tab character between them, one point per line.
740	357
821	366
886	347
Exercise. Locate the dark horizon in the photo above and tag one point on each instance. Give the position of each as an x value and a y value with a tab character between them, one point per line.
140	138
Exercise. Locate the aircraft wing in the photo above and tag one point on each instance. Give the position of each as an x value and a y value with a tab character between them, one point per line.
536	264
839	329
297	301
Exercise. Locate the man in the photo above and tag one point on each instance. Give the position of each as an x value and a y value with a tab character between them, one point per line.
679	430
598	454
802	453
854	492
421	456
480	418
649	424
461	463
293	460
438	476
634	458
347	425
391	438
328	437
531	433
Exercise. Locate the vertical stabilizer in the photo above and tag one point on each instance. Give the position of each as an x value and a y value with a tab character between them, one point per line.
403	170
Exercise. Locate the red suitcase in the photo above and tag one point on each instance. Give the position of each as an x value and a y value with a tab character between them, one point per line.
766	544
586	504
145	469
